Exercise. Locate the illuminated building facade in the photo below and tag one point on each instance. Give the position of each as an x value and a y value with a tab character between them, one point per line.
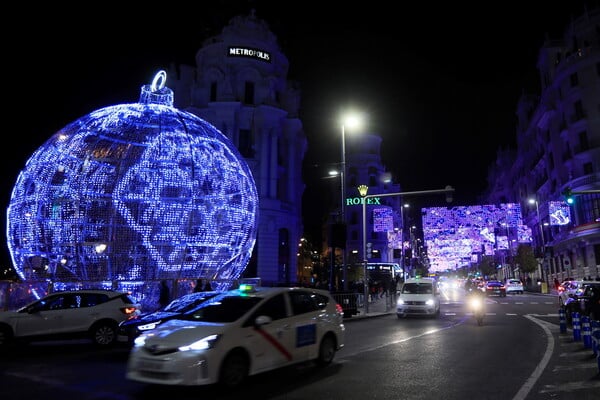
239	85
558	148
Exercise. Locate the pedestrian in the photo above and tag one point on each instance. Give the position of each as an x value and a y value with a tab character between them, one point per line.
164	296
198	287
207	286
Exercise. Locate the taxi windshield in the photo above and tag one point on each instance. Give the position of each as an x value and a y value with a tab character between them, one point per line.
223	308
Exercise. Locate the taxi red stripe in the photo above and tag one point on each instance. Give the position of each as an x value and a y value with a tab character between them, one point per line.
275	343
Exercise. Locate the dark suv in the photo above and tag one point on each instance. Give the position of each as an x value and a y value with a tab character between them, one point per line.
187	304
585	301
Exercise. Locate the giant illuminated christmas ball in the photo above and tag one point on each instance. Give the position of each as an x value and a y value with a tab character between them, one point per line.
134	192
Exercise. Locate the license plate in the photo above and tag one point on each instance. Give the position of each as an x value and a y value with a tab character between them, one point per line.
149	365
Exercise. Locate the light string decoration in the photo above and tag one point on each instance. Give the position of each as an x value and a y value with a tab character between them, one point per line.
138	192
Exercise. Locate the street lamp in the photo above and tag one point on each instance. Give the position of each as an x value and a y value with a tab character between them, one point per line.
406	205
543	240
350	120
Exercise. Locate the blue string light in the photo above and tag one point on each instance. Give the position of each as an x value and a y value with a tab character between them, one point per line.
134	192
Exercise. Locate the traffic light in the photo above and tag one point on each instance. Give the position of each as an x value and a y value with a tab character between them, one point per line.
568	196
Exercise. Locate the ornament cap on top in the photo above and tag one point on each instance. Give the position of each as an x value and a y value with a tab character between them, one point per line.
157	92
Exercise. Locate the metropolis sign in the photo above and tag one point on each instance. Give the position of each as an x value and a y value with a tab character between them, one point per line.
249	53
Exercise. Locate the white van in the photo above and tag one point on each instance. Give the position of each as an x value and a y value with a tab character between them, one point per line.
418	296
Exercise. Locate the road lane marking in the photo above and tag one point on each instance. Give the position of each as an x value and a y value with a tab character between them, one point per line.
539	369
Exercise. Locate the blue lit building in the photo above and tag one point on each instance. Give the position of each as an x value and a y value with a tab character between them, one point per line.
239	84
558	148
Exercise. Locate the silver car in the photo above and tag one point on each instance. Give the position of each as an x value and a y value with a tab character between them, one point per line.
88	313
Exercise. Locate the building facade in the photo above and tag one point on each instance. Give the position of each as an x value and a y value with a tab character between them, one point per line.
558	150
240	86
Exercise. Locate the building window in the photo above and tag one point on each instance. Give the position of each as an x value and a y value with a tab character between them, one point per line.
583	141
284	256
213	91
574	79
579	113
245	143
249	93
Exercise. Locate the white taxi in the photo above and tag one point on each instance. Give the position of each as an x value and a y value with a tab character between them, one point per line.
239	333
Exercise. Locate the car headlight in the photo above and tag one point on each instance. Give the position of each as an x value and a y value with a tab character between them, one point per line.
203	344
430	302
151	325
400	302
475	303
140	340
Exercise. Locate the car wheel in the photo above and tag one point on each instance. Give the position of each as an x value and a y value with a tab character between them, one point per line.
234	369
326	351
401	316
104	333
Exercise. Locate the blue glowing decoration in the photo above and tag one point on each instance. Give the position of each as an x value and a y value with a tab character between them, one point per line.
560	213
134	192
456	236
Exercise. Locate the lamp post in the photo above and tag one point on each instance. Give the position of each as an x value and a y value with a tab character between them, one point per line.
402	240
352	120
363	189
543	240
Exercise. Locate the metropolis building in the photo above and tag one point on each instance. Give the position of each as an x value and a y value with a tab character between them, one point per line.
240	86
557	152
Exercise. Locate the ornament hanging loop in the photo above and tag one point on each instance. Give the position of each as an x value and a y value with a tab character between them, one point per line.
159	81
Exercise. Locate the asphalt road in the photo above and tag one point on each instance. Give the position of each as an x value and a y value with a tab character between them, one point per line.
518	354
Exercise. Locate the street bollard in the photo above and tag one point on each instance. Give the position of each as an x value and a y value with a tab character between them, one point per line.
563	320
586	332
576	327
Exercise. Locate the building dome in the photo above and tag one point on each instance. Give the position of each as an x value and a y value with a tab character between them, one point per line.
134	192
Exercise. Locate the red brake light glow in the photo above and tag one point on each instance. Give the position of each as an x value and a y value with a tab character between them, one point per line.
128	310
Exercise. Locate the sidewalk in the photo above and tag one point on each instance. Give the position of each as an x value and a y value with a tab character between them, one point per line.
382	306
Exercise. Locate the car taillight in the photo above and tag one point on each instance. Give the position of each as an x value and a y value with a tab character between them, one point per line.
339	309
128	310
561	289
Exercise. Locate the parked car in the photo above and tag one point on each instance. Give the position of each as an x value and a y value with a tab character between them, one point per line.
495	288
92	313
567	289
186	304
585	301
418	296
514	286
239	333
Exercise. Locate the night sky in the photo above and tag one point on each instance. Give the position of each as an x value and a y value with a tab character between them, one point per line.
439	83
